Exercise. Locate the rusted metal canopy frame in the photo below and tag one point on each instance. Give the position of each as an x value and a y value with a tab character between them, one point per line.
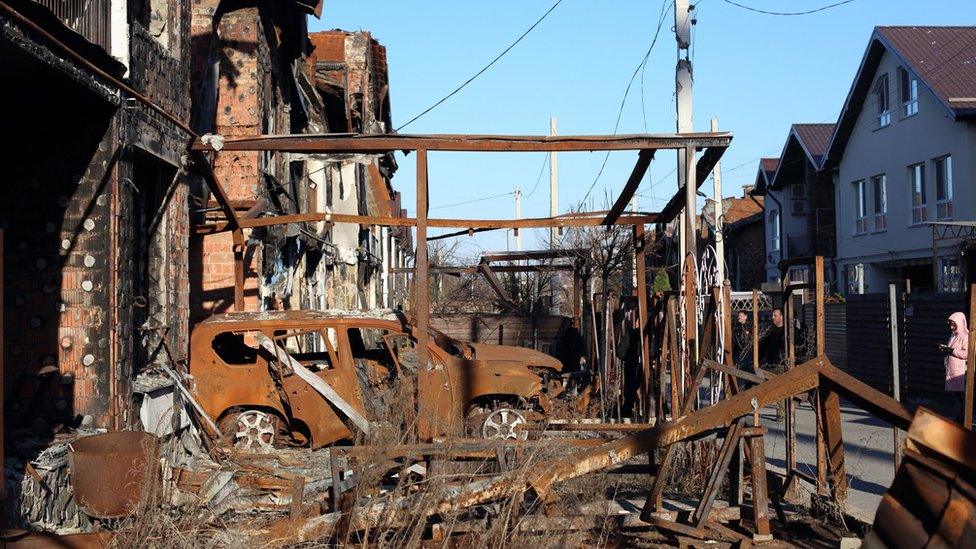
344	143
497	268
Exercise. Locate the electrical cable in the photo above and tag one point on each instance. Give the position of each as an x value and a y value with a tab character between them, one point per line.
788	13
623	101
483	69
542	170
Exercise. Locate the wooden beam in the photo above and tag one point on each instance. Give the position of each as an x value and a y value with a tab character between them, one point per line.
644	158
384	143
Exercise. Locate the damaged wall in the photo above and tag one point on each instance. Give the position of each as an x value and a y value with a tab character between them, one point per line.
95	240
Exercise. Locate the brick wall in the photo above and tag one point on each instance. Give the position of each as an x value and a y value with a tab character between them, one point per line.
242	98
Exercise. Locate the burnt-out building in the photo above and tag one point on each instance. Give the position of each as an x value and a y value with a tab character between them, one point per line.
258	71
95	211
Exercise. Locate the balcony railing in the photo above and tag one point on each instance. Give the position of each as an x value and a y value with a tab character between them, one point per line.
89	18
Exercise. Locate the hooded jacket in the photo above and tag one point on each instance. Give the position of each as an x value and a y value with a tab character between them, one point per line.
955	360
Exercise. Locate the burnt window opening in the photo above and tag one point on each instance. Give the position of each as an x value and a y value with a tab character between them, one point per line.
231	348
342	185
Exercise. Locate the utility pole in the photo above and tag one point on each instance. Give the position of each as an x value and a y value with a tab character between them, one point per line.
553	185
518	215
686	177
719	218
683	87
554	233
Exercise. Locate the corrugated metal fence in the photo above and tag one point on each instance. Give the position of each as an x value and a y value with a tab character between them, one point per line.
859	342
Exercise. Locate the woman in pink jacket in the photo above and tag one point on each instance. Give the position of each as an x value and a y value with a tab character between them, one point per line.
956	351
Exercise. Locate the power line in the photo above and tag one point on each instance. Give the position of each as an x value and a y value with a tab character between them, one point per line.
788	13
667	4
542	170
483	69
471	201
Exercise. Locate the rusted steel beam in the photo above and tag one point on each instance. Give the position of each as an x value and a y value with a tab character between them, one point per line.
741	374
703	167
643	320
524	223
496	268
238	238
830	424
425	382
352	143
496	285
715	480
760	496
867	398
644	158
532	255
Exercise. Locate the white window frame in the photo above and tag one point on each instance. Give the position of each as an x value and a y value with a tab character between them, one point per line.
879	188
860	207
943	178
908	84
916	180
774	223
883	106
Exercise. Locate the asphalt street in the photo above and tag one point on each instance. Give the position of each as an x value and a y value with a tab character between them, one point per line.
868	446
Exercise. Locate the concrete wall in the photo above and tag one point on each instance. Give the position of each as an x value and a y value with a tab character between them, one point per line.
929	134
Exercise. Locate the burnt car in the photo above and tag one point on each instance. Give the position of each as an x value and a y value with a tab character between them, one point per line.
258	398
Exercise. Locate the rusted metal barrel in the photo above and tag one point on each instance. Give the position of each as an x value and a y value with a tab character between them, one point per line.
111	473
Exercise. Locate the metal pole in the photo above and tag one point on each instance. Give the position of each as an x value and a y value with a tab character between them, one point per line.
553	184
425	379
967	413
719	219
895	370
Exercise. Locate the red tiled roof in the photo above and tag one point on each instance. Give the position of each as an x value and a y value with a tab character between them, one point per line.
944	58
769	165
814	138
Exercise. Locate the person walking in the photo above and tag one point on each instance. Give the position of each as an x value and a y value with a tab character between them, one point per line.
742	341
773	352
956	352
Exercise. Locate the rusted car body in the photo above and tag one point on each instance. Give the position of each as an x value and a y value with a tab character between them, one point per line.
352	352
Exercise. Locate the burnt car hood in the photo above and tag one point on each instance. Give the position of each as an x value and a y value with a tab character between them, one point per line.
530	357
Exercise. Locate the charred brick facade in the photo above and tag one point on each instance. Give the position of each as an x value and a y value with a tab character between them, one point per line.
96	234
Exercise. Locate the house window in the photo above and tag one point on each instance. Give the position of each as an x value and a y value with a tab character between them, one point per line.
879	186
799	190
916	177
860	208
881	99
774	230
798	206
909	92
950	269
943	187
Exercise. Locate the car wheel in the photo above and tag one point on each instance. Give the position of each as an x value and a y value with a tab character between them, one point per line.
254	431
503	424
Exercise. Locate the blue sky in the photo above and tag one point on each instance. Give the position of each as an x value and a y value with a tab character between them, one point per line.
756	73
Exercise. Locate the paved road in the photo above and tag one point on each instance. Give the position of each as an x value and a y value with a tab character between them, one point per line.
868	449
